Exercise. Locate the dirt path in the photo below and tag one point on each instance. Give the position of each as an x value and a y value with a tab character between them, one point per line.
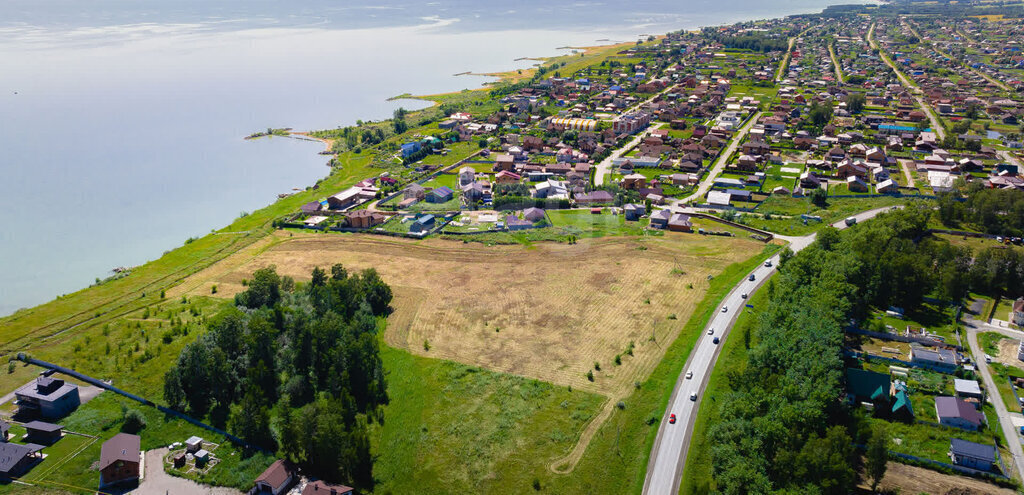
905	165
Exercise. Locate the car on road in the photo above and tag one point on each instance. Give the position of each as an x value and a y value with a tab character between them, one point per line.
693	396
714	340
672	419
768	263
743	295
725	309
751	277
711	331
689	374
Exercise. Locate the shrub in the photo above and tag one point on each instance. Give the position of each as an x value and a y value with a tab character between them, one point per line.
134	421
590	375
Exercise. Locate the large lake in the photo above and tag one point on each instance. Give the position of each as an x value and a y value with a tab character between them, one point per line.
121	121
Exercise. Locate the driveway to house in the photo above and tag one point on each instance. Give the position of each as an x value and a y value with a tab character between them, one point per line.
719	166
1009	430
158	482
668	455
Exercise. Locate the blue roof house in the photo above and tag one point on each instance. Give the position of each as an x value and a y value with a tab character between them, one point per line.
409	149
422	224
441	194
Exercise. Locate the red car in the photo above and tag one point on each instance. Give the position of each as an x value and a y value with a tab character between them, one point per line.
671	419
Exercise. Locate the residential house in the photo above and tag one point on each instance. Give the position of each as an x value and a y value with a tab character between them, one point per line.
972	455
1018	312
867	386
967	389
957	413
595	197
42	432
120	459
634	181
939	359
474	191
855	184
466	175
408	149
809	181
311	207
533	214
680	223
47	397
513	222
660	218
422	224
504	162
887	186
5	429
364	219
277	479
506	177
323	488
414	190
441	194
16	459
634	211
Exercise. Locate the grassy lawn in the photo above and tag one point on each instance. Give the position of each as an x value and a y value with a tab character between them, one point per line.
1003	309
836	209
929	441
103	416
1002	375
451	180
585	224
990	342
452	428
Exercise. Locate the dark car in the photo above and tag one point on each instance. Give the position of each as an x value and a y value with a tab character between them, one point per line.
751	277
715	340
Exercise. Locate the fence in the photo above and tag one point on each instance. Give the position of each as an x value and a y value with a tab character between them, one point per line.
106	386
768	236
902	338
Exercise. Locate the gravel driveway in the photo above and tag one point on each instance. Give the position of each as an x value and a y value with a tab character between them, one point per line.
157	482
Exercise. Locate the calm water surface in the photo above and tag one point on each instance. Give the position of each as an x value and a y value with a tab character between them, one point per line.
121	121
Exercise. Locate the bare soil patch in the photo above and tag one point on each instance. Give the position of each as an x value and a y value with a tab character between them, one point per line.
1008	353
901	478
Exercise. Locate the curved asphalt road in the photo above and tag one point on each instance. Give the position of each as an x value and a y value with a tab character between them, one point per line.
668	456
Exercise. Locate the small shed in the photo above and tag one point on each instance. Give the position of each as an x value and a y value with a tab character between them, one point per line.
202	457
967	389
193	444
41	432
972	455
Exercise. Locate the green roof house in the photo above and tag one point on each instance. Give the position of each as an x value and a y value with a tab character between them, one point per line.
866	386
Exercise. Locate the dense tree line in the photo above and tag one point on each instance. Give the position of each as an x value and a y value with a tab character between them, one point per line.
752	42
295	369
783	428
993	211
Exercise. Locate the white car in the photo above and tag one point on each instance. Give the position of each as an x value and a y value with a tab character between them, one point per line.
725	309
768	263
689	374
711	331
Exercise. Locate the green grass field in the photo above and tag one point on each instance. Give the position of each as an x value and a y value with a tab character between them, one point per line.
452	428
583	223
